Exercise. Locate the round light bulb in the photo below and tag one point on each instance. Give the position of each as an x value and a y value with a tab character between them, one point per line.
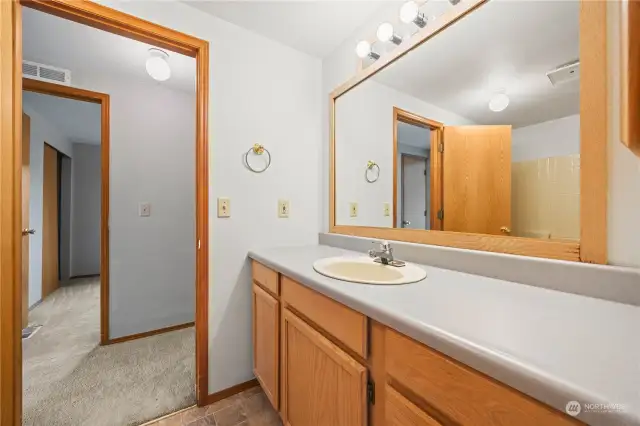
408	12
363	49
499	102
385	31
157	66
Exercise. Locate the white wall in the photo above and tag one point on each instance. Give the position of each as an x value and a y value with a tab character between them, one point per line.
42	130
261	92
364	131
554	138
85	209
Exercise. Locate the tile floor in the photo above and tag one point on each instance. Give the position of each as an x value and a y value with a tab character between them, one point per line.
248	408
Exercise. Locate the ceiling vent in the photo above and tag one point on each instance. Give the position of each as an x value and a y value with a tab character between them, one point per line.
44	72
565	73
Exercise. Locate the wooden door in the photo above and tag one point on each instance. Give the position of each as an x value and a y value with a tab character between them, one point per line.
321	384
477	179
50	236
26	179
266	338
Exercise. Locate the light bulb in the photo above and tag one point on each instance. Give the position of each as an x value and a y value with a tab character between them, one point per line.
499	102
363	49
385	31
157	65
408	12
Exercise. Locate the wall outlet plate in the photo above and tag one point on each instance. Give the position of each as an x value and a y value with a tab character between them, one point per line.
353	209
224	207
283	208
387	209
144	210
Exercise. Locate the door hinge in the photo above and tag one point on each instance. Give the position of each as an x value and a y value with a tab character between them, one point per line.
371	392
441	214
441	147
425	172
198	244
425	213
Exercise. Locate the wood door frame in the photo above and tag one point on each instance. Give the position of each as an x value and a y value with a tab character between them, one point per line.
120	23
594	127
426	201
44	156
102	99
435	178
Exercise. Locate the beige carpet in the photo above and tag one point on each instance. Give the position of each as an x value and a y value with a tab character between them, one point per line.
71	381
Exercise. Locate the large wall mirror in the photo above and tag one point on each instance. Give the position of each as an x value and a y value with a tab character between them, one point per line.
474	136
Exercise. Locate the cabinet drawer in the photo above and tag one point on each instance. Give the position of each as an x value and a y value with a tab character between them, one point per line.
399	411
346	325
267	278
459	393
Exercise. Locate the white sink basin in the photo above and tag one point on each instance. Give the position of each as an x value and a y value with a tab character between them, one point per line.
364	270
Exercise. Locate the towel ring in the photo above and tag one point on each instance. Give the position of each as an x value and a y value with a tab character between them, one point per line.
372	166
257	149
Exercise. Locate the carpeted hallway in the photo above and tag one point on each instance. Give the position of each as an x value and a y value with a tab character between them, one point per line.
69	380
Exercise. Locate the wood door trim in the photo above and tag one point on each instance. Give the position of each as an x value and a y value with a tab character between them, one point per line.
50	153
107	19
594	125
435	180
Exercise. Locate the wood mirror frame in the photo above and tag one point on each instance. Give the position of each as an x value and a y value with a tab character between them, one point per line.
592	247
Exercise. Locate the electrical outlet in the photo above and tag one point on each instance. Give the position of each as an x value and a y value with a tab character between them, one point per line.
386	209
144	210
353	209
224	207
283	208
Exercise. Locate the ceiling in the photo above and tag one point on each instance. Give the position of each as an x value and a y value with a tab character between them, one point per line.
85	50
78	121
313	27
415	136
504	46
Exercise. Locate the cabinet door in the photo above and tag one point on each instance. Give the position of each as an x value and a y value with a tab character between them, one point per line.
399	411
321	384
266	337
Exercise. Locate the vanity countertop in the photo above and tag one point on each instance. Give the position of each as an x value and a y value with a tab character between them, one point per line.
556	347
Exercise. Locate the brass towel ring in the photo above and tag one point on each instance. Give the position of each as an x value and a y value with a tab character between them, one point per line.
257	149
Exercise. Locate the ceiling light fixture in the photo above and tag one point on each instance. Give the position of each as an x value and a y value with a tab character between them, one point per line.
409	12
499	102
363	50
385	33
157	65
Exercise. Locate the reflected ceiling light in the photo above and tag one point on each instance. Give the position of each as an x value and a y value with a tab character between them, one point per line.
454	2
157	65
409	12
499	102
363	50
385	33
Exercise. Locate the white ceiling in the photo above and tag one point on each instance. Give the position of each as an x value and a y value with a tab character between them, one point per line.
313	27
502	46
86	50
78	121
415	136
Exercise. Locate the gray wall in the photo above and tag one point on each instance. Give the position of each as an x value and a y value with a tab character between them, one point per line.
85	210
408	149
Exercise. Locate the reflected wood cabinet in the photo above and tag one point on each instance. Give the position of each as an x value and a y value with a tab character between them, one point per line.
321	363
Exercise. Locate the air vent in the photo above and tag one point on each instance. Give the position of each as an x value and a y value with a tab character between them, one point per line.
564	73
46	73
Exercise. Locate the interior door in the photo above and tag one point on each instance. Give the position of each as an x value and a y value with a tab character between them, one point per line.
414	192
26	231
50	197
477	179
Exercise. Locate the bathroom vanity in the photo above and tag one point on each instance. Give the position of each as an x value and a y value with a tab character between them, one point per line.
452	349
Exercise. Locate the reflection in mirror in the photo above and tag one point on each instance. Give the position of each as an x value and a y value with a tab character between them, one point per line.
475	131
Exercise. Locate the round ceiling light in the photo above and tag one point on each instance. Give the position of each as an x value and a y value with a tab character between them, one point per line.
499	102
157	65
385	32
409	12
363	49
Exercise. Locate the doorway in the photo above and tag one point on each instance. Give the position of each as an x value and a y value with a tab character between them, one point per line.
10	179
415	180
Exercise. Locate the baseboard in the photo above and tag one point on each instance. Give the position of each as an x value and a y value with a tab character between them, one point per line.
226	393
149	333
154	422
73	277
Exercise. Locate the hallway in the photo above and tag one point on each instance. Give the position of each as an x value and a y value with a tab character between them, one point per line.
70	380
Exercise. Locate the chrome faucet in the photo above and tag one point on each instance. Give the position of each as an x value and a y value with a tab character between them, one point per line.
384	255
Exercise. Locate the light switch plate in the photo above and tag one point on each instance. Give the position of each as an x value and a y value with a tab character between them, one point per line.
144	209
224	207
353	209
283	208
386	209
